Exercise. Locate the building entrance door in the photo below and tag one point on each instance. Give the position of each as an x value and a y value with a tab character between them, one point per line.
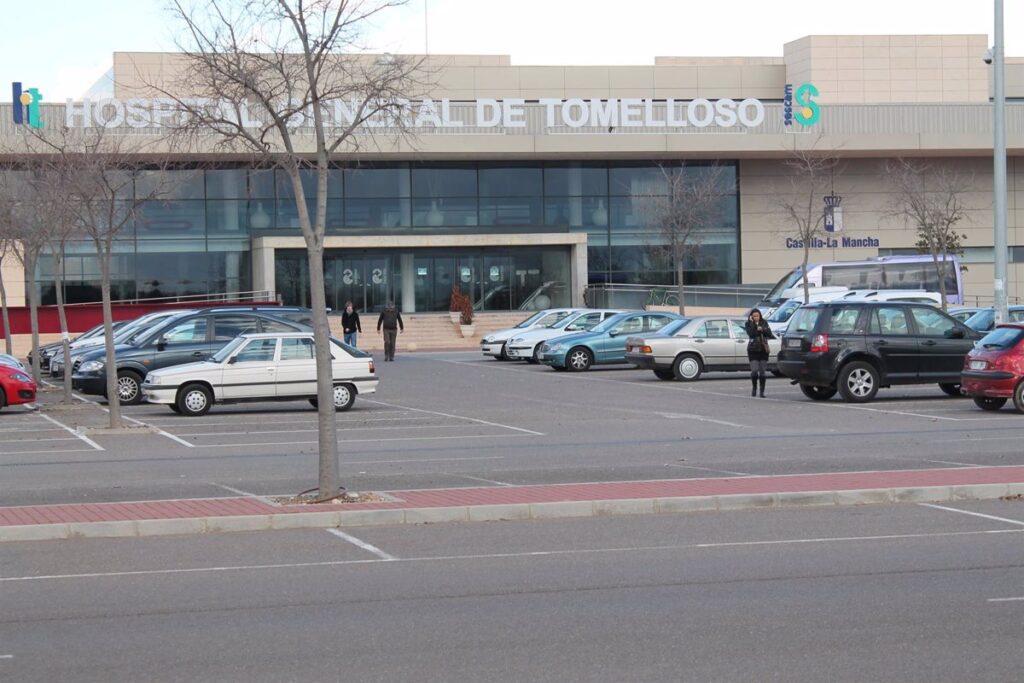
366	281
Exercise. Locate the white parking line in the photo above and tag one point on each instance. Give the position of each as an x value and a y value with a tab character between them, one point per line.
307	431
458	417
481	479
708	469
950	462
973	514
72	432
362	544
492	556
1005	599
263	422
400	438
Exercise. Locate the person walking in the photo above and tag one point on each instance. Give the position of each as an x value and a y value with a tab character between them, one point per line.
758	351
350	325
390	321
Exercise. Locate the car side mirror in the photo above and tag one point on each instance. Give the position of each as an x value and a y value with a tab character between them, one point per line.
955	333
614	333
161	344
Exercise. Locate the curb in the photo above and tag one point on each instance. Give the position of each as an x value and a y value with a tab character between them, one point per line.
506	512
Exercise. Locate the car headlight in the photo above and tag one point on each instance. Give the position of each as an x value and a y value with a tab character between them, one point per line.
19	377
553	347
488	340
91	366
516	340
152	379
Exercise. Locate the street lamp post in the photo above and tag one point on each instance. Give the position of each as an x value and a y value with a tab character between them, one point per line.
999	166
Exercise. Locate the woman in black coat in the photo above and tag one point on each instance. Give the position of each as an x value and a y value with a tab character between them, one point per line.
757	350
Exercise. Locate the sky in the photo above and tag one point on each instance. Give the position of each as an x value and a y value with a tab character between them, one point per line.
63	53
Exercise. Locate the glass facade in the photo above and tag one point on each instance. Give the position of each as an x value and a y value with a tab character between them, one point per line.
197	240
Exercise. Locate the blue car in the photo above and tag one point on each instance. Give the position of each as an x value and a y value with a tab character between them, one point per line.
603	344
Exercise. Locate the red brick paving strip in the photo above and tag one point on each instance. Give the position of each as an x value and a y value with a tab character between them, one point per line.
505	495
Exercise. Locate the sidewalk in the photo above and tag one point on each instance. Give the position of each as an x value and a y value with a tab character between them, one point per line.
154	518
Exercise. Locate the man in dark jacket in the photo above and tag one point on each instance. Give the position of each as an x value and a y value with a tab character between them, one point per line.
350	324
390	321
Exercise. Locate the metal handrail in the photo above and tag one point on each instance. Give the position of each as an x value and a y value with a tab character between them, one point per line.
246	296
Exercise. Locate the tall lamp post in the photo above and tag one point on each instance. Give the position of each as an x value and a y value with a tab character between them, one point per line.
999	165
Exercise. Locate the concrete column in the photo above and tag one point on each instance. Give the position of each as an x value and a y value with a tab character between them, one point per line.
578	273
263	267
408	266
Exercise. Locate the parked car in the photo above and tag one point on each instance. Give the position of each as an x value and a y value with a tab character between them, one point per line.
185	338
494	343
16	386
985	319
856	348
123	335
526	346
11	361
605	343
994	369
963	313
685	349
779	320
48	350
261	367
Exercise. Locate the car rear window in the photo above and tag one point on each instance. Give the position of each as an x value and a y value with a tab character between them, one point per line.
1002	338
803	320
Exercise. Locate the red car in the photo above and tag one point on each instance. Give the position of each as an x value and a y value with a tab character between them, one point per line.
994	370
16	387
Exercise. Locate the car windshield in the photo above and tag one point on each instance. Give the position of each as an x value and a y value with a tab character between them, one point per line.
608	323
673	327
223	354
532	320
784	312
352	351
564	321
803	320
982	320
1002	338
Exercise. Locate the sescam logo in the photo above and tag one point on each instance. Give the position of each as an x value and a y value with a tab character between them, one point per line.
26	105
798	105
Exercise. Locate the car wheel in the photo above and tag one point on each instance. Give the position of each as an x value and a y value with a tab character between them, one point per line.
817	393
194	400
344	397
858	382
503	354
1018	397
665	374
129	387
687	368
3	398
174	407
952	390
579	359
535	358
986	403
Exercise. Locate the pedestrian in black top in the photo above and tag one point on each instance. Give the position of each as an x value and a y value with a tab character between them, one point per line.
350	324
757	350
390	321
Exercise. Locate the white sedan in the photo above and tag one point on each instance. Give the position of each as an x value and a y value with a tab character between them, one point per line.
526	345
494	343
261	367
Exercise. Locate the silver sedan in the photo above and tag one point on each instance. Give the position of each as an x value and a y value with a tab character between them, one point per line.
685	350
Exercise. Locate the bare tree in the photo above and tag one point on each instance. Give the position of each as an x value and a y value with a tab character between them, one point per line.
105	181
690	207
930	198
808	178
6	247
287	91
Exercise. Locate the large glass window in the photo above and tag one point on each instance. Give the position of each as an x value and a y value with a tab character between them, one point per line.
511	195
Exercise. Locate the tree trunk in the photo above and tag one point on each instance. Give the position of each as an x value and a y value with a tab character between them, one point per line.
58	281
803	269
941	272
6	316
327	434
680	286
110	366
33	308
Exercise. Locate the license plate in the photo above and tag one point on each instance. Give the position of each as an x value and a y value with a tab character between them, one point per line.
793	343
978	365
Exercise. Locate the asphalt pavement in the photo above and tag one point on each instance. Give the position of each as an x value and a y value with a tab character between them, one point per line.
879	593
457	419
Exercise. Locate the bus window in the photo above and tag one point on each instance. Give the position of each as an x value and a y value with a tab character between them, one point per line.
792	278
853	276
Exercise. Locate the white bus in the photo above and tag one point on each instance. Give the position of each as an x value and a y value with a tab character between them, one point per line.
884	272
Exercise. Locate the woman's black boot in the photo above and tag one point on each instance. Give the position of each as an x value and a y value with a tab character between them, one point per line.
763	380
753	384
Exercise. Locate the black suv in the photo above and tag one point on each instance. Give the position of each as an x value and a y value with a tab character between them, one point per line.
184	338
856	348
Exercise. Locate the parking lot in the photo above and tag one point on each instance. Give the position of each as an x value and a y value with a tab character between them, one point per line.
456	419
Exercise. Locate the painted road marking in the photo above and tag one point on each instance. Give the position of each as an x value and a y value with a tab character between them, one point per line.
491	556
347	429
368	547
457	417
708	469
950	462
138	422
72	432
1005	599
973	514
401	438
481	479
263	421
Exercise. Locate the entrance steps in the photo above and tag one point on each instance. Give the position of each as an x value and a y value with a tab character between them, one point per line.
432	331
